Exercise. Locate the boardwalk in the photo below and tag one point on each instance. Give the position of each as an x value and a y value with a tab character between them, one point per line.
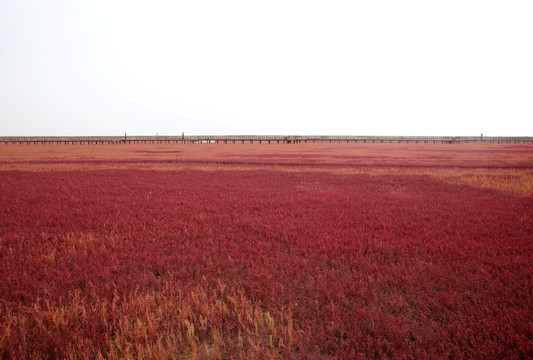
242	139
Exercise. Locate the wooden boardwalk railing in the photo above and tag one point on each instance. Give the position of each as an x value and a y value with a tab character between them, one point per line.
225	139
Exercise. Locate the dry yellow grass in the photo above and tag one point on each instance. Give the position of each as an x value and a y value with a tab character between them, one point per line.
516	182
197	324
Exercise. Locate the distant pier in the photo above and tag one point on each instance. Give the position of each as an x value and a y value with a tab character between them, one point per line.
253	139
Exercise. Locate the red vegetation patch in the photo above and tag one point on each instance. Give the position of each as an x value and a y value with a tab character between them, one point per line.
347	264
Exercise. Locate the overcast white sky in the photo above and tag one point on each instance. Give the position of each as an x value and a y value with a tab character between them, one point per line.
454	67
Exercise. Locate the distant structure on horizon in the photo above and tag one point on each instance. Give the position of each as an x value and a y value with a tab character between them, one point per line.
276	139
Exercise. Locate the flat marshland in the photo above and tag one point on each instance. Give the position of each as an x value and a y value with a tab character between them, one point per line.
266	251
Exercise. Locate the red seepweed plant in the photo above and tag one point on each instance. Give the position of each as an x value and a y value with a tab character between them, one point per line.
266	251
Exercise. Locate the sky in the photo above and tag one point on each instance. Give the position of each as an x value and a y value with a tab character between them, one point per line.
455	67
